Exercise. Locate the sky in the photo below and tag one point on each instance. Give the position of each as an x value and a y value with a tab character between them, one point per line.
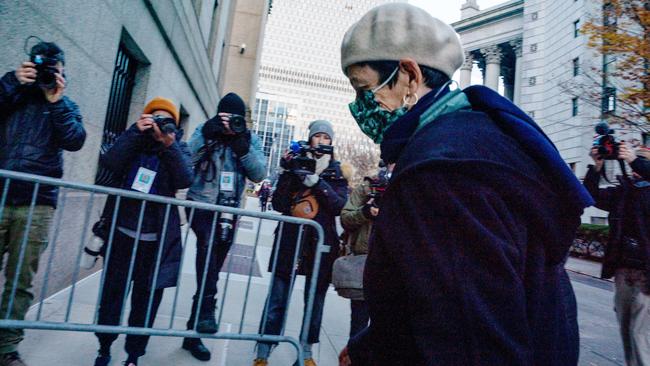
449	10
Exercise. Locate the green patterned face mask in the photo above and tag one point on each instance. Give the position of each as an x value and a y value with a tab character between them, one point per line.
372	119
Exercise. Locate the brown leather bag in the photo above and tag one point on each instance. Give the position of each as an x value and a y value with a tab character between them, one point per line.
304	205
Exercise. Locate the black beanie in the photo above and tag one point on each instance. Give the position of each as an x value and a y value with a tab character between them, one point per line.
232	103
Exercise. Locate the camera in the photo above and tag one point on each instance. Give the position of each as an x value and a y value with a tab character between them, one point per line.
237	124
45	71
166	125
301	164
606	142
378	186
226	221
214	127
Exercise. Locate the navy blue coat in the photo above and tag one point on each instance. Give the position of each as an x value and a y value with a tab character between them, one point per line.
466	261
33	135
174	173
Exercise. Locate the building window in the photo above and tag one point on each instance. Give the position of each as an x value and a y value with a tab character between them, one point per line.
609	100
532	81
598	220
609	15
533	48
576	66
574	106
118	106
534	16
576	28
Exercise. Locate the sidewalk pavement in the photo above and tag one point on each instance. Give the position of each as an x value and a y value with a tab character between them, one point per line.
42	348
584	266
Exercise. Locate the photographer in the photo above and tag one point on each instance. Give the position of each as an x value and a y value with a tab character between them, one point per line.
225	153
37	122
320	196
627	254
150	158
357	218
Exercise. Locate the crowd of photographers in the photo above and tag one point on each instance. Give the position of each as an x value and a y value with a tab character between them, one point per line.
468	270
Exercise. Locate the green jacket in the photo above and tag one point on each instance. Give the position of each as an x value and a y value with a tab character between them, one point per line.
356	225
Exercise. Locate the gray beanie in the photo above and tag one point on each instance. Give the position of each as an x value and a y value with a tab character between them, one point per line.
394	31
321	125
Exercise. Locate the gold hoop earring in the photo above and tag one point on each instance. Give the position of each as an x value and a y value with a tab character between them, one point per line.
406	102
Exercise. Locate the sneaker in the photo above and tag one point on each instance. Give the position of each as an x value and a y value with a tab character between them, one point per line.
11	359
102	360
308	362
197	349
260	362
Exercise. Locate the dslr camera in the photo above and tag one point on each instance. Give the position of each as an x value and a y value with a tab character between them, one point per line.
299	162
237	124
45	70
606	142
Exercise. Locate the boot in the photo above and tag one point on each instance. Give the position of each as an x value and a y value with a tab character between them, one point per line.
11	359
207	322
196	348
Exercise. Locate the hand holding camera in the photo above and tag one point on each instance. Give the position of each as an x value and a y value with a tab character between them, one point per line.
625	153
227	124
26	73
45	75
297	161
162	129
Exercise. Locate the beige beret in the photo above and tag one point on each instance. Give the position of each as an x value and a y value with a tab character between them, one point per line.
394	31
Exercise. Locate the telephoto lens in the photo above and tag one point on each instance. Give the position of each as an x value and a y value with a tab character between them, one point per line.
91	252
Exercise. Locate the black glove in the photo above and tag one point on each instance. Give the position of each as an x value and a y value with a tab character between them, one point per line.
241	143
212	128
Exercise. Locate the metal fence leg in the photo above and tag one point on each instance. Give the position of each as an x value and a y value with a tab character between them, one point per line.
109	246
205	270
23	247
293	276
161	244
278	242
180	271
134	254
79	253
250	276
59	215
225	286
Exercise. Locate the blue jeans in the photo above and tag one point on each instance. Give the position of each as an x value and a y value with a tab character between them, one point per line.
277	302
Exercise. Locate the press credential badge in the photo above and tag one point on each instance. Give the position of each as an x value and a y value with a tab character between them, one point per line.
143	180
227	183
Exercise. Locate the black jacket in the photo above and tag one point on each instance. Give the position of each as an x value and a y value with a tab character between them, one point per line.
465	265
331	192
33	135
174	173
629	216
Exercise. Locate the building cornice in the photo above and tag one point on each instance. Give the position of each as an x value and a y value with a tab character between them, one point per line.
491	15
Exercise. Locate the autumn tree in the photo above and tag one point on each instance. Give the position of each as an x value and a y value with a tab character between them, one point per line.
620	86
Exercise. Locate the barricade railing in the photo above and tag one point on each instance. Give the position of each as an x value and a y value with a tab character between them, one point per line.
8	320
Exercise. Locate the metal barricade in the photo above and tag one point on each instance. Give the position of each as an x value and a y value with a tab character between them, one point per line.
66	188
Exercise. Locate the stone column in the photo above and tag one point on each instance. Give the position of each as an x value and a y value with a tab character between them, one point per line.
466	71
492	66
517	47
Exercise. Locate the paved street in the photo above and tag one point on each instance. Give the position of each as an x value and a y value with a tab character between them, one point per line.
599	338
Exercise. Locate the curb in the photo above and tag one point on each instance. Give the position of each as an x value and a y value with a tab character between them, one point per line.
589	275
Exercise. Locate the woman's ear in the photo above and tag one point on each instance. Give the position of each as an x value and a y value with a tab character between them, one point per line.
412	69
